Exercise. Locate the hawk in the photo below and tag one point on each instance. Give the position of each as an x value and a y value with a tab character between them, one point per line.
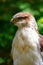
26	43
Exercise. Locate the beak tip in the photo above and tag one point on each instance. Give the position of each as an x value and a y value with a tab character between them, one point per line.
11	20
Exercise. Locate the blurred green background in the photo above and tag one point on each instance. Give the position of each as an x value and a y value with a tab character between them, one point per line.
7	30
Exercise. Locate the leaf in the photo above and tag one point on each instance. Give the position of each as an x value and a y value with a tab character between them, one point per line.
1	60
40	20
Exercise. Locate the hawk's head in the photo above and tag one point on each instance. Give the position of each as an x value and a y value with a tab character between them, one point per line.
22	19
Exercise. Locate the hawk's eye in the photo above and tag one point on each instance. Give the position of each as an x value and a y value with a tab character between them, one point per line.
21	18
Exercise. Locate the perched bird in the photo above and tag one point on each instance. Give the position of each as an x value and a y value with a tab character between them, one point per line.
26	44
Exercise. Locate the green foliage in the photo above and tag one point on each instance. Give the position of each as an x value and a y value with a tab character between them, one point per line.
7	30
40	25
2	60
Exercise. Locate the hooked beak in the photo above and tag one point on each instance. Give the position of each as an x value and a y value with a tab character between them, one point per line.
11	20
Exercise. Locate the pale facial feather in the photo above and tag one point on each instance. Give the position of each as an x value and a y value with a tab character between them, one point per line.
24	19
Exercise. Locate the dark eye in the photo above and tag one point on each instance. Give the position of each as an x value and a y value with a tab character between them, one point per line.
21	18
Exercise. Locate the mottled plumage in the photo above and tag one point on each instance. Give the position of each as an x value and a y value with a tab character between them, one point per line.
26	45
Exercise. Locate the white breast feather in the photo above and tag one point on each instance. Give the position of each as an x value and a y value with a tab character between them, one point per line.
26	48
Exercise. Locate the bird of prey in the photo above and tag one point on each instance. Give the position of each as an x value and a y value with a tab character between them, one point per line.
26	43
